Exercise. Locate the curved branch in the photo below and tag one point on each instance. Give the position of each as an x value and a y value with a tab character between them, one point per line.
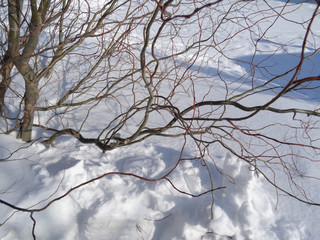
98	178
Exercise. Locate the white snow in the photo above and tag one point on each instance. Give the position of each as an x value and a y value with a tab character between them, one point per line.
123	206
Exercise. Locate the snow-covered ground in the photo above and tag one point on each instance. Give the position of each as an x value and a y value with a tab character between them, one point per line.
119	204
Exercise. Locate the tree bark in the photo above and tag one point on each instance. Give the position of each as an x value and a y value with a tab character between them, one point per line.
30	102
5	83
30	98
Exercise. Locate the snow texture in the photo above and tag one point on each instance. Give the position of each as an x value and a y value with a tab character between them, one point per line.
125	207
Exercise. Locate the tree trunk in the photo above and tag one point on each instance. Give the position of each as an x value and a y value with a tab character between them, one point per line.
30	102
4	84
30	98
